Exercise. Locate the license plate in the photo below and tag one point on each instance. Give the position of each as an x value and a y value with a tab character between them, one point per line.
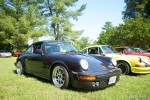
112	80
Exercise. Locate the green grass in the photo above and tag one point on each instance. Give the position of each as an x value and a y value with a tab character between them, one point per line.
26	87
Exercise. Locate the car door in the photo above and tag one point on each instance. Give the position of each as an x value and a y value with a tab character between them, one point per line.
35	61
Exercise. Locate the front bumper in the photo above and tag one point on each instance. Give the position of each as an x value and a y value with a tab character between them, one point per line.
142	68
102	80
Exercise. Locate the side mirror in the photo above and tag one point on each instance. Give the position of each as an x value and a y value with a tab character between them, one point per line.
38	51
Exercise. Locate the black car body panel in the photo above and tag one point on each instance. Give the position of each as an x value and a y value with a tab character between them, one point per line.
42	64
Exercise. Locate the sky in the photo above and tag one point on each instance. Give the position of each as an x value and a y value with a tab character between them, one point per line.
95	15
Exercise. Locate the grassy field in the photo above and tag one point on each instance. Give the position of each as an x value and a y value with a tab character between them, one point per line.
26	87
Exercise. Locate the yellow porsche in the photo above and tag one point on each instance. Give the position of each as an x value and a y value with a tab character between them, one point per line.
127	63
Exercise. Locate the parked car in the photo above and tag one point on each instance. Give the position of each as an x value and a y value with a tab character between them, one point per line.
17	53
139	50
130	51
127	63
61	63
4	53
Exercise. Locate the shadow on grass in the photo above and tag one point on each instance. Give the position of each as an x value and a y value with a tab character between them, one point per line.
35	77
50	82
136	74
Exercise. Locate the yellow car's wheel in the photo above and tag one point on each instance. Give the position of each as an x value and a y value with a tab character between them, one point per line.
124	66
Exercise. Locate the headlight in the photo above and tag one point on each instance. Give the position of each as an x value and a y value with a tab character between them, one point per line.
84	64
139	59
114	62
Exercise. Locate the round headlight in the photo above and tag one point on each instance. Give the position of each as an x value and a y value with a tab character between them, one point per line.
114	62
84	64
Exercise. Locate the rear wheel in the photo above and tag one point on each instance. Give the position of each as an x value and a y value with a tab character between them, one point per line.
60	76
20	68
125	68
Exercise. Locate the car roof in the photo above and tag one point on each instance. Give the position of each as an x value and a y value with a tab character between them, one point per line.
49	41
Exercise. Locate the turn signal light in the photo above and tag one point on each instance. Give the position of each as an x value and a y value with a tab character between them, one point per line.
87	77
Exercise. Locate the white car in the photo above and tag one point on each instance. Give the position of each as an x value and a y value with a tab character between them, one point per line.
4	53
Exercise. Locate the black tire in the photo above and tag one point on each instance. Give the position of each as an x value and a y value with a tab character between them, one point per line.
20	68
60	77
125	68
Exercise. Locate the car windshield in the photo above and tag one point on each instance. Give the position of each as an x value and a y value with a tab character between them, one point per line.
141	50
62	47
131	50
107	50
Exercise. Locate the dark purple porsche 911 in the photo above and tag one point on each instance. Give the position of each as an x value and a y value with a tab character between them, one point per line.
61	63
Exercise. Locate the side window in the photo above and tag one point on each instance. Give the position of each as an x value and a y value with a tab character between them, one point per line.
29	50
36	46
93	50
119	50
84	51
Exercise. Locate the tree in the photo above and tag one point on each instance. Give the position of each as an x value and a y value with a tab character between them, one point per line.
134	33
137	32
82	43
58	13
134	7
19	20
106	35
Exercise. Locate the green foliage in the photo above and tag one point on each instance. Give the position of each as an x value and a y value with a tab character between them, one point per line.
134	33
58	14
82	43
19	20
137	32
107	36
136	28
134	7
23	19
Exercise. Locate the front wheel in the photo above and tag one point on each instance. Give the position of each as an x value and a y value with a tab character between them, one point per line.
60	77
20	68
125	68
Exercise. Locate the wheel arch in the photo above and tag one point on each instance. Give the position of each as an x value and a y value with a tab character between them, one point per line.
125	62
61	63
22	61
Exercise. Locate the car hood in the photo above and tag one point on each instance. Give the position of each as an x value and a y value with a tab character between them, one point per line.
120	56
95	65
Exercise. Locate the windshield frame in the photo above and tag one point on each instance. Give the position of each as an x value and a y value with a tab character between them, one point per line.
63	47
109	50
